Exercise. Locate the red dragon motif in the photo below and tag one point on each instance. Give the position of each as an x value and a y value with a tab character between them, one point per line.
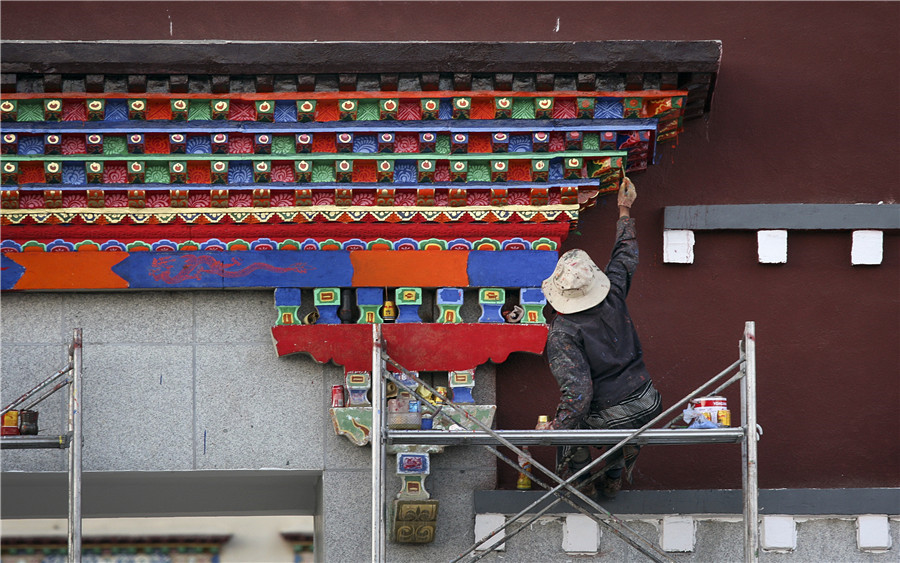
171	270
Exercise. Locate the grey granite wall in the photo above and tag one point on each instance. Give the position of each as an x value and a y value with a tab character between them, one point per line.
181	381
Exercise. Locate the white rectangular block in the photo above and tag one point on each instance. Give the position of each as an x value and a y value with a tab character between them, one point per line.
868	248
778	533
581	534
873	532
484	525
772	246
677	533
678	247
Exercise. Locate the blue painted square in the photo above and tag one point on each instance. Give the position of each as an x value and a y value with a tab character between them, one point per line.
405	172
198	144
532	295
520	143
365	143
285	111
240	172
73	173
31	144
116	110
556	169
608	108
445	110
450	296
287	296
369	296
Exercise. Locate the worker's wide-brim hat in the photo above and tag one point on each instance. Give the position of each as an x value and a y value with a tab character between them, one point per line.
576	284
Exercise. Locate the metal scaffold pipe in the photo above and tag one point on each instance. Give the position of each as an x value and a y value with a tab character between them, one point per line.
74	428
565	489
378	451
36	389
619	528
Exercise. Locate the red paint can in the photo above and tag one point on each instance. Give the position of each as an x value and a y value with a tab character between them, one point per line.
337	396
710	407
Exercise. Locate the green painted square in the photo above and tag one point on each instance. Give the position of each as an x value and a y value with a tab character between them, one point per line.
332	296
485	295
408	295
523	108
591	142
156	173
113	144
479	171
283	144
323	172
442	144
199	110
31	110
367	110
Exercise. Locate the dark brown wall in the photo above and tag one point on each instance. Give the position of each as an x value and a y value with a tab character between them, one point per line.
805	111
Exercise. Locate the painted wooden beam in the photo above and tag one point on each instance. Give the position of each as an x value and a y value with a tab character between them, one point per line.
436	125
91	270
799	216
300	57
415	346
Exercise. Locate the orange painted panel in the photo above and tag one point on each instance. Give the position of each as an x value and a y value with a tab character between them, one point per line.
69	270
416	268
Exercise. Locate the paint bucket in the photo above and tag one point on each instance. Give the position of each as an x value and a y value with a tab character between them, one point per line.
10	423
28	422
337	396
709	407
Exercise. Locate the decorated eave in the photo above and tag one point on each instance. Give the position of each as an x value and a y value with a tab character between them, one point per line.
294	166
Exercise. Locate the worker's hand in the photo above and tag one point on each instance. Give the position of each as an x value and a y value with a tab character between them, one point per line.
542	426
627	193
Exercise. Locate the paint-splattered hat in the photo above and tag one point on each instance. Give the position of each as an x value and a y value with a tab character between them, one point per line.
576	284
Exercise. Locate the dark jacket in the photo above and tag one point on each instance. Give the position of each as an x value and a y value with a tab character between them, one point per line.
595	354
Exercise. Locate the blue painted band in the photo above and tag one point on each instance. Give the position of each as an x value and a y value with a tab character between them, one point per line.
513	185
191	270
436	126
522	268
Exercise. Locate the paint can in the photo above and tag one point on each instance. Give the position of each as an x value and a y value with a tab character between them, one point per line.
389	312
709	407
10	423
28	422
723	417
427	422
337	396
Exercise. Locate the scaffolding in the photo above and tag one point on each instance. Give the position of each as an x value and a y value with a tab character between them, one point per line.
747	434
71	439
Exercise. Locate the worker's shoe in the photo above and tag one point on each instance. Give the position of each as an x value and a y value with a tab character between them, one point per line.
586	485
610	487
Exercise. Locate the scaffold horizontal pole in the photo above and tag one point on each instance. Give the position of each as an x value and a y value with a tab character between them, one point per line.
678	436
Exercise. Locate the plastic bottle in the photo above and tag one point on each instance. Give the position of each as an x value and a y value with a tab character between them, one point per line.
523	483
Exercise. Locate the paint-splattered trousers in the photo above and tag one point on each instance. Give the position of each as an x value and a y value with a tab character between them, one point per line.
634	411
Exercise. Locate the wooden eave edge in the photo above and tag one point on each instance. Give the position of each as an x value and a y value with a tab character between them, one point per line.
275	57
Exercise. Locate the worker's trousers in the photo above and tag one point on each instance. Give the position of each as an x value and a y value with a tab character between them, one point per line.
634	411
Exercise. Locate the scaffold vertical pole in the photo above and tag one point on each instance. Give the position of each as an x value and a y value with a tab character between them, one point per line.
748	416
378	452
74	428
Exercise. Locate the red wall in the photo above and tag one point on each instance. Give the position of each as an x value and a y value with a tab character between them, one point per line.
805	111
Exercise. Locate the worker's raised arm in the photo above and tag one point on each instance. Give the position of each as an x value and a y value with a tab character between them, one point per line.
624	259
627	195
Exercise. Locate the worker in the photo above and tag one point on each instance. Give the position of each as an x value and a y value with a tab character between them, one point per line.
595	356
